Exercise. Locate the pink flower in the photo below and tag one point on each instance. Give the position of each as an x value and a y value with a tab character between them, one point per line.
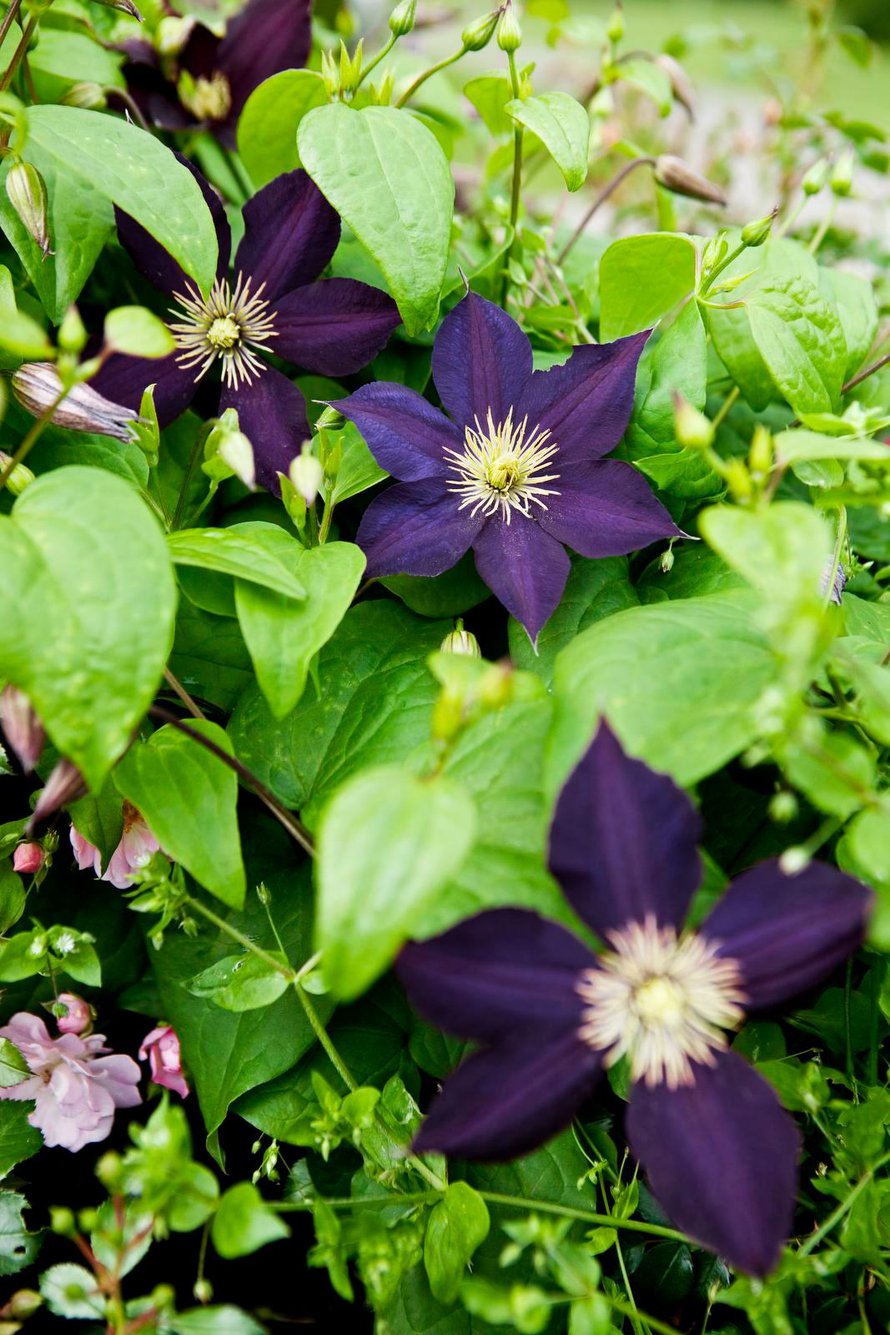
75	1086
79	1016
135	848
161	1049
28	858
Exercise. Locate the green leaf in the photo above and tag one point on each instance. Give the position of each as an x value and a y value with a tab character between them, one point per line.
563	127
241	982
869	836
18	1138
83	554
489	94
136	332
387	843
782	550
374	705
650	78
244	1222
456	1226
13	1067
129	167
18	1247
72	1291
678	681
801	342
282	635
257	552
63	57
188	797
387	177
23	337
12	896
642	278
358	469
854	298
99	818
225	1320
675	361
267	127
793	446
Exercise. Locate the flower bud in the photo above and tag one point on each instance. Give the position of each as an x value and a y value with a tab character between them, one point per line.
65	784
693	430
108	1171
755	233
666	563
21	727
842	174
681	86
307	474
816	178
28	858
678	177
783	807
461	641
24	1303
87	96
615	26
738	479
329	418
509	31
87	1219
124	6
20	477
203	1291
401	20
37	386
61	1220
27	195
833	589
476	36
78	1015
794	860
72	335
760	454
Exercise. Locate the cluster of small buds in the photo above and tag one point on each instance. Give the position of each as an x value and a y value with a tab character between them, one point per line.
341	75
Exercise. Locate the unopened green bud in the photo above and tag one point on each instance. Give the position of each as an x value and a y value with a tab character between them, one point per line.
87	1219
693	430
227	451
681	86
783	808
401	20
27	195
755	233
72	335
20	477
61	1221
203	1291
329	418
307	474
666	563
509	31
842	174
678	177
815	178
615	26
461	641
23	1304
760	455
476	36
738	479
108	1170
163	1296
87	96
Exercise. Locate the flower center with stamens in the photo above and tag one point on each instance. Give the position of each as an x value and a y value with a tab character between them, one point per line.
226	326
660	1001
207	99
502	467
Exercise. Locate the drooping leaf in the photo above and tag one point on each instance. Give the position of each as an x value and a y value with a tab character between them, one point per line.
244	1222
563	127
259	553
456	1226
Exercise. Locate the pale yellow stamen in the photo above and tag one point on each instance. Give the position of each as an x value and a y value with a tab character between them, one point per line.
207	99
500	470
226	326
660	1001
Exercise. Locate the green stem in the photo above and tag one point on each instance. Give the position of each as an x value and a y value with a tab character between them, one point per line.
819	234
516	188
586	1216
600	200
372	64
324	1039
19	53
251	946
349	1202
631	1312
848	1030
32	438
842	1210
724	264
726	406
182	498
324	527
427	74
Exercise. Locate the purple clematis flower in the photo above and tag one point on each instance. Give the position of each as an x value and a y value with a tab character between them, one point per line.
515	471
208	81
331	327
719	1150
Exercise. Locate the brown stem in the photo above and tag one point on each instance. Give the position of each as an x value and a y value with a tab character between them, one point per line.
600	200
285	818
9	19
19	54
177	687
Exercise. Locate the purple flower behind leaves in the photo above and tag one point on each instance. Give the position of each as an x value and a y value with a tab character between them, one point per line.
75	1082
719	1150
274	304
514	471
209	80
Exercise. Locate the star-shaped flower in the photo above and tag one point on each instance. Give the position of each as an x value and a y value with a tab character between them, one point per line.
272	304
515	471
719	1150
207	81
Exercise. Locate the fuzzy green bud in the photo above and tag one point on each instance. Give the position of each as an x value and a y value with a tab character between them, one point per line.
816	178
760	455
783	807
401	20
87	96
476	36
20	477
755	233
842	175
27	195
461	641
87	1219
738	479
72	335
61	1221
693	430
509	31
203	1291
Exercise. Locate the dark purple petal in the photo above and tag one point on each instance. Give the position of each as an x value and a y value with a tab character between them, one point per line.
125	379
155	96
481	360
496	973
415	528
524	567
406	435
721	1158
605	508
200	55
333	327
586	403
508	1100
157	264
272	414
788	932
623	840
290	234
266	37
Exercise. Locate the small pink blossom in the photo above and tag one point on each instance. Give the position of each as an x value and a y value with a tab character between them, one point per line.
161	1049
75	1086
28	858
78	1017
134	850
